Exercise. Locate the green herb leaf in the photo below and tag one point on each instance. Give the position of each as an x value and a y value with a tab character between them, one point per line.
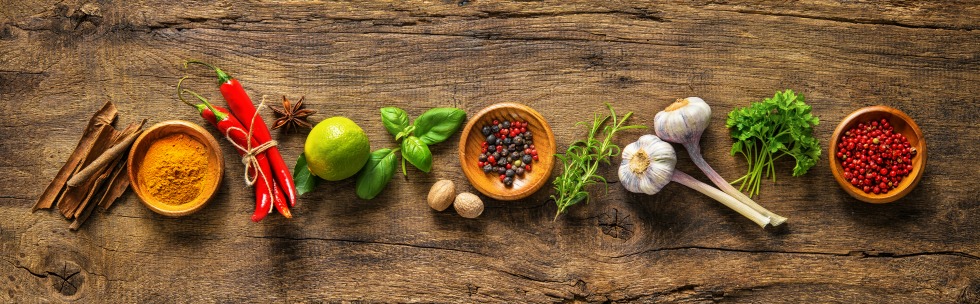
416	152
376	174
305	181
394	119
438	124
770	129
580	163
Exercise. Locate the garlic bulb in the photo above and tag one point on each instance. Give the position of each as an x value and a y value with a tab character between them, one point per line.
683	121
647	165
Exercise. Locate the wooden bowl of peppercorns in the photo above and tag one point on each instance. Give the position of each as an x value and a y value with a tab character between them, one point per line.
877	154
507	151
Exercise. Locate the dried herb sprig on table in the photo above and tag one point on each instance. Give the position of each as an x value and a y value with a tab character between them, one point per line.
581	161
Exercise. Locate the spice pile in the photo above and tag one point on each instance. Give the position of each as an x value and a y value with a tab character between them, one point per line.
508	151
95	171
175	169
875	158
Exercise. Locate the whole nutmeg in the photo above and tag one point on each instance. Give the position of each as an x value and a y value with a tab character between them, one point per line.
468	205
442	194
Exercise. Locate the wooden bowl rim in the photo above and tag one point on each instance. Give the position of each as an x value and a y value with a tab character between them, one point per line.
546	164
917	169
187	128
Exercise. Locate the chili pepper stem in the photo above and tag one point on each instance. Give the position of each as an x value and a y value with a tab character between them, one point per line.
222	76
180	94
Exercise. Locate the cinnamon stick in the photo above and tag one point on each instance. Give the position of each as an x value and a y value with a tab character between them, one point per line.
100	172
102	118
107	157
85	208
74	196
118	182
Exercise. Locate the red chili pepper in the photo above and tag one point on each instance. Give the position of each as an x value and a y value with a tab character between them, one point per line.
280	201
241	105
224	121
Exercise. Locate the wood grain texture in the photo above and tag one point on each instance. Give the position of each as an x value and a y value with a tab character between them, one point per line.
61	60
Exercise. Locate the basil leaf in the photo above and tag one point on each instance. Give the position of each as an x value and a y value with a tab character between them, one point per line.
394	119
438	124
304	180
376	174
416	152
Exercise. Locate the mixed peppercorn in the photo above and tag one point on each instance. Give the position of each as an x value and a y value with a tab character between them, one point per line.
508	150
875	157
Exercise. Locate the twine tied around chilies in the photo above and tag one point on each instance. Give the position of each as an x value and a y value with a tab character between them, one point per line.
249	157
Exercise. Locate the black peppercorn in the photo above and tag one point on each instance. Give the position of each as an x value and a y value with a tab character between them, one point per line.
491	139
508	181
506	124
494	129
527	159
485	130
509	172
487	168
501	170
519	171
483	157
507	140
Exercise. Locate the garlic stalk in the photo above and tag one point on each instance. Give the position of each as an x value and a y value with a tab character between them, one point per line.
683	122
648	165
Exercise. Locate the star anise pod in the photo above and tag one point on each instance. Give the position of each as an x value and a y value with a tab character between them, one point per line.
291	116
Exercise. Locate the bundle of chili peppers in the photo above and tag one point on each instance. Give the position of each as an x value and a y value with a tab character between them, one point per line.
243	126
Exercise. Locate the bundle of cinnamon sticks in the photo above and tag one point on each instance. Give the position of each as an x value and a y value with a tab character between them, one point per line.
95	173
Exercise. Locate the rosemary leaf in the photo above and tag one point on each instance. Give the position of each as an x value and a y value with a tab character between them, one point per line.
580	162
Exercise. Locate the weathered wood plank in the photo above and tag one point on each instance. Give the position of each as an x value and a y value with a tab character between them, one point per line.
60	61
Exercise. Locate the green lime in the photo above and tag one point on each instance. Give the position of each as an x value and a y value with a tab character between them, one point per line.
336	148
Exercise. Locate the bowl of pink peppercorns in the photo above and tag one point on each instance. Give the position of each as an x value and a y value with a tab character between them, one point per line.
878	154
507	151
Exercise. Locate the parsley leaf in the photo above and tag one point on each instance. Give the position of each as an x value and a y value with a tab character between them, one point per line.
768	130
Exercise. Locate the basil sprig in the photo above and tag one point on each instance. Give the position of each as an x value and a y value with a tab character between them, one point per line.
432	127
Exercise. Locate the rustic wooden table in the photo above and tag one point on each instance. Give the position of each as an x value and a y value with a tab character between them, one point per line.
61	60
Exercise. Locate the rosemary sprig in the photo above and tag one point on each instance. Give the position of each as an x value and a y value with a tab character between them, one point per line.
581	161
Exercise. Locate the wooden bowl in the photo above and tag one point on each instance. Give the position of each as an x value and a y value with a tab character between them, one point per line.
470	148
903	124
137	154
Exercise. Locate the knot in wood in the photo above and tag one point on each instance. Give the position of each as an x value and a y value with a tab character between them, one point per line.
66	280
616	225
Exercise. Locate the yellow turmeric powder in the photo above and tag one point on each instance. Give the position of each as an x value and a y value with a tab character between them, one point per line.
174	169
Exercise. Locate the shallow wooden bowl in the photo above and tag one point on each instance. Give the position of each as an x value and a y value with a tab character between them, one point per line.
215	169
903	124
470	148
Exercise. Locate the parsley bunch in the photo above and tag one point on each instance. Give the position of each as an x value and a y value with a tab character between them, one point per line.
768	130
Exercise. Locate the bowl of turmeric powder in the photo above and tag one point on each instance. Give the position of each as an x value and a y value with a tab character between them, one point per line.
175	167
